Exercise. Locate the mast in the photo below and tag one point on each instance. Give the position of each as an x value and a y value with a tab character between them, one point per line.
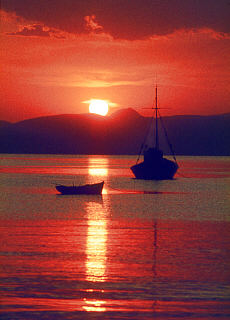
156	122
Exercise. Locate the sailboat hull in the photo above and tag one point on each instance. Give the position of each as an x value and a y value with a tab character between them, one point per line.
161	169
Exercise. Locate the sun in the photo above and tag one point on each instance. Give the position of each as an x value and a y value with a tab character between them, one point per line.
99	107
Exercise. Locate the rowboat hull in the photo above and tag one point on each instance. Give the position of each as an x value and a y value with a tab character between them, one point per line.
90	189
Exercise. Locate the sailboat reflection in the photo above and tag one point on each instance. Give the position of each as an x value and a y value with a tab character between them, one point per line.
155	250
154	267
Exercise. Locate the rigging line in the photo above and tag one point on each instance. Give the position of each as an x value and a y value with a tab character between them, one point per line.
143	144
181	174
167	138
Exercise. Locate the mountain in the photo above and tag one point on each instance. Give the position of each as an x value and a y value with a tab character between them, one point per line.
121	133
4	123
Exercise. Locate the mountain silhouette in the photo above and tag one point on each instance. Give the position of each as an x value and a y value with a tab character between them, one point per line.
120	133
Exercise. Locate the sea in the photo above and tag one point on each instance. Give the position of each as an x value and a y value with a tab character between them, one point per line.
141	250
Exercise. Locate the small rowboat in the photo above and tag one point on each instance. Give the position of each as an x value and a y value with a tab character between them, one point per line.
95	188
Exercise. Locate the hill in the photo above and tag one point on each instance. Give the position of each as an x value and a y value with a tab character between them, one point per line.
121	133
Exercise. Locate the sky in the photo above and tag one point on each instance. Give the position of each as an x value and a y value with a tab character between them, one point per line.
57	55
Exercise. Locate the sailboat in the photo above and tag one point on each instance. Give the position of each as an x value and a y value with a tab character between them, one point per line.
155	166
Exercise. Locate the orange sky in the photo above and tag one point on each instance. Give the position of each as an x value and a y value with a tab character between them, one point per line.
51	66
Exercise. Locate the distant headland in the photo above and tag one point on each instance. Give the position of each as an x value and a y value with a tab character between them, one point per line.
120	133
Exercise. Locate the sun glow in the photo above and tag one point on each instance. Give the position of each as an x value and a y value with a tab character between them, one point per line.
99	107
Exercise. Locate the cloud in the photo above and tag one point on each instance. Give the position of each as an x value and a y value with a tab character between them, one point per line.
36	30
125	19
31	31
92	24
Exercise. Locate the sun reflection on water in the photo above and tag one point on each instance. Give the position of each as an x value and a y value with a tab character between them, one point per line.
94	305
96	245
96	251
98	171
98	167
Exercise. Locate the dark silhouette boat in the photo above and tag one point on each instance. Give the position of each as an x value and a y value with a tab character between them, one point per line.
90	189
155	166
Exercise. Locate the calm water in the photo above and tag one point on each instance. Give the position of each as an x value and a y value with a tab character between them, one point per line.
142	250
